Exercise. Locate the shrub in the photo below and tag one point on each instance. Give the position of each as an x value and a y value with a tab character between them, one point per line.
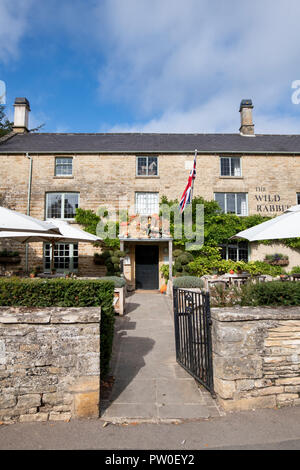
118	281
66	293
201	266
295	270
188	282
271	293
177	253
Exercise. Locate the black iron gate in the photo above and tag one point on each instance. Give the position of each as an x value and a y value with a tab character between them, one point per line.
193	335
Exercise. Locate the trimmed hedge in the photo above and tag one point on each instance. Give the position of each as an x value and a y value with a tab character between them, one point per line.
66	293
271	293
188	282
118	281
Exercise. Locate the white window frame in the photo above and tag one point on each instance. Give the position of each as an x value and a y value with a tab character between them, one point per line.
147	166
148	193
63	174
71	257
238	248
231	158
225	202
62	193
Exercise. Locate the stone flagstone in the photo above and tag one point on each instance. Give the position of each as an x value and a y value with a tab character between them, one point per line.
149	384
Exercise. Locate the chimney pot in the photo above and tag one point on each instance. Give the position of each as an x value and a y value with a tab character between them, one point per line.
21	115
247	126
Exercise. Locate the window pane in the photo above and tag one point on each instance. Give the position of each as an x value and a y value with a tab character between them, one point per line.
142	166
61	205
220	199
235	167
147	203
63	166
225	169
232	253
54	206
70	205
152	166
230	203
65	256
243	254
242	204
298	198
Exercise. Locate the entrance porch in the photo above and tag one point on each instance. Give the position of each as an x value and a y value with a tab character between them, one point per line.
143	261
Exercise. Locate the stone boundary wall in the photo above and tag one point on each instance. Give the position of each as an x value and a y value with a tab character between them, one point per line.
49	363
256	357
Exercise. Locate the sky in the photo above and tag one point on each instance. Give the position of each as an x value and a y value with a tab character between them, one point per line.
152	65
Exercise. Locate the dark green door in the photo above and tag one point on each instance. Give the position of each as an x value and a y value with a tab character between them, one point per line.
146	270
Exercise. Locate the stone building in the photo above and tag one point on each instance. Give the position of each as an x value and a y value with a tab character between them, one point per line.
49	175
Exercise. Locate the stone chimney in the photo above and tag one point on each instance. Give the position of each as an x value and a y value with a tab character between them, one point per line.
247	126
22	109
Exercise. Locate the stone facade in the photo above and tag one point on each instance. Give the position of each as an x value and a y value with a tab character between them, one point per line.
49	363
259	251
256	355
271	183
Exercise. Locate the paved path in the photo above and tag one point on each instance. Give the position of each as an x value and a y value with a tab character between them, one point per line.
262	429
149	384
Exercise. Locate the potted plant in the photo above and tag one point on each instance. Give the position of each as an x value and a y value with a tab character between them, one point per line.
9	257
277	259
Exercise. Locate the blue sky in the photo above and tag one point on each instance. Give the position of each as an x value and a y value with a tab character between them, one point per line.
152	65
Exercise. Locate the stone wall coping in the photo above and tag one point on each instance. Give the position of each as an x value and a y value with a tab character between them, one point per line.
239	314
49	315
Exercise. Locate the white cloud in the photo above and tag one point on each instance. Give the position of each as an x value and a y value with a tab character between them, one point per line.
13	25
190	63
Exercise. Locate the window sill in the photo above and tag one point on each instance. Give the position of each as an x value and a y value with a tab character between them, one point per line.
65	177
231	177
146	177
71	221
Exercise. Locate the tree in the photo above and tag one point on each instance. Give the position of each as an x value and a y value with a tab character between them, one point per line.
5	125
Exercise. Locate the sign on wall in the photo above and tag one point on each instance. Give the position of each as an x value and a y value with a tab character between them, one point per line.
268	203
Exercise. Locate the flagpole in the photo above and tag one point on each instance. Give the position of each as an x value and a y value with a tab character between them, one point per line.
192	190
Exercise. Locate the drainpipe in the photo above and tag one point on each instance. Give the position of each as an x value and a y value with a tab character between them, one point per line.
28	205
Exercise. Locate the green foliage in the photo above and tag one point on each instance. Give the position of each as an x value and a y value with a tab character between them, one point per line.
276	256
295	270
118	281
89	220
177	253
5	125
218	227
16	292
188	282
271	293
8	253
202	266
165	271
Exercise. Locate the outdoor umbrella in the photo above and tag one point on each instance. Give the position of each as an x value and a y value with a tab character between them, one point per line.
68	234
286	225
13	221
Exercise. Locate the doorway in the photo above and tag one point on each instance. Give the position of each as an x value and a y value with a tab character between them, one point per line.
146	267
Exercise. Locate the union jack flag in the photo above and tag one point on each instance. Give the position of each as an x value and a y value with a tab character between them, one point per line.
186	198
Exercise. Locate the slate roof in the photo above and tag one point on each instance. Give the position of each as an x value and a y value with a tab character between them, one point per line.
146	143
